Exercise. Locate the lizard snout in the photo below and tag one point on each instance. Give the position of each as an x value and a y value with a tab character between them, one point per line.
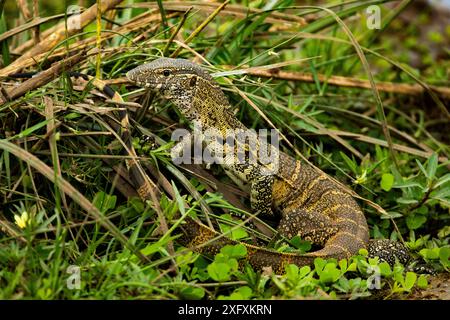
142	77
132	75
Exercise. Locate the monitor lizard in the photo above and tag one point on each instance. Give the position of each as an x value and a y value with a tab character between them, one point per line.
309	203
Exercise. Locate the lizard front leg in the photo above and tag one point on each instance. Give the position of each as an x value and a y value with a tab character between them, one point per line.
261	194
261	186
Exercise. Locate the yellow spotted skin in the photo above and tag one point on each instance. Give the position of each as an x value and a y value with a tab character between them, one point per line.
308	203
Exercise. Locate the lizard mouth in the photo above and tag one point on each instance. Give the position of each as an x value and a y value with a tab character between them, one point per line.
139	79
133	77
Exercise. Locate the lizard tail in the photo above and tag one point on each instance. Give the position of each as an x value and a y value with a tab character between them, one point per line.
202	239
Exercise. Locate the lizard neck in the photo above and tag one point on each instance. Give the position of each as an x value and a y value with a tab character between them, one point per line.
206	105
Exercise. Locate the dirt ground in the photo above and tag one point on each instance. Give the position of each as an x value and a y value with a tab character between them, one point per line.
438	289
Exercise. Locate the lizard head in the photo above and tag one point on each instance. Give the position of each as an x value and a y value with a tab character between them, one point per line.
170	77
188	85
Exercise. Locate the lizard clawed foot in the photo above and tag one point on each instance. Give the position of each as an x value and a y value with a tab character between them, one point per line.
422	268
388	250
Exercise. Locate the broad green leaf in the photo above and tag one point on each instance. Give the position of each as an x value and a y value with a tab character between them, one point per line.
104	201
363	252
219	271
319	263
235	233
387	181
242	293
391	215
414	221
302	245
352	267
192	293
234	251
231	262
398	276
329	274
444	256
343	265
406	184
410	279
292	272
442	193
137	204
431	254
422	282
385	269
422	210
355	283
304	271
444	232
344	284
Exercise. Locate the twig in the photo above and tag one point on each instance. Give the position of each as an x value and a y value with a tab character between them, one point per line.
46	76
36	32
59	35
339	81
98	73
23	6
132	25
240	11
402	88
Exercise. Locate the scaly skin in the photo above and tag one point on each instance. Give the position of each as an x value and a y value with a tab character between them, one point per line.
310	203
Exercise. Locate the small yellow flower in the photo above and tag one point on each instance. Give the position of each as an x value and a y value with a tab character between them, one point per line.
360	179
22	220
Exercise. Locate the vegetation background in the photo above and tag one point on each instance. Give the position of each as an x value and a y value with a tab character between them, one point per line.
367	106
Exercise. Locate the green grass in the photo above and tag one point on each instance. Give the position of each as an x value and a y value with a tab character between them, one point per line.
391	148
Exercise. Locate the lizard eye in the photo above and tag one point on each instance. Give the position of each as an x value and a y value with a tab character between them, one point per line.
166	73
